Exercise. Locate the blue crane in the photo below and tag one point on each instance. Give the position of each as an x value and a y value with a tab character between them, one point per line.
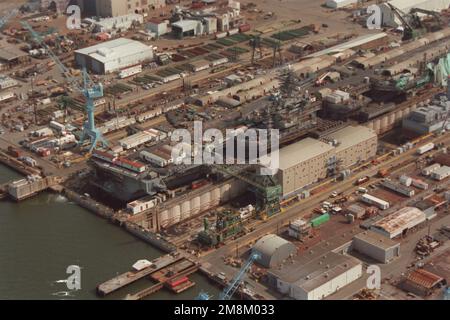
228	292
90	91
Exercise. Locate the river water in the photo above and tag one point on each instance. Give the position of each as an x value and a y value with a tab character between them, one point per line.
42	236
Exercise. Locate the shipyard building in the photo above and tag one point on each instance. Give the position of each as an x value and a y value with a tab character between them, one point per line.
113	55
317	278
354	144
309	160
427	119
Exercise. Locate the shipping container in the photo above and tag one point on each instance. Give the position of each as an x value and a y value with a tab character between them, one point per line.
420	184
233	31
401	189
320	220
244	28
221	35
425	148
367	198
16	153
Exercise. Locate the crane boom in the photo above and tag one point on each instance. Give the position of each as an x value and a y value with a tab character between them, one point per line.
90	90
36	36
236	281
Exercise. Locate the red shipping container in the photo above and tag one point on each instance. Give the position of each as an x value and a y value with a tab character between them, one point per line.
177	282
244	28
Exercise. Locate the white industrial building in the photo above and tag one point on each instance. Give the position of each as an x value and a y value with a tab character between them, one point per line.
187	28
317	278
307	161
336	4
376	246
399	222
113	55
158	26
389	18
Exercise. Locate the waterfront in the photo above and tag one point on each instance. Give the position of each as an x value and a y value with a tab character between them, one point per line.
42	236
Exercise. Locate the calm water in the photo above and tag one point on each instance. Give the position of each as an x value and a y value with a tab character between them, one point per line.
42	236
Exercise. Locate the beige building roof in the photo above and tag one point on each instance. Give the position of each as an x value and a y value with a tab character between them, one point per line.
301	151
351	136
376	239
395	223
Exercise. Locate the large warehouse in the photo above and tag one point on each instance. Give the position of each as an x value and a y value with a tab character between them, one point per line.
303	163
398	223
354	144
317	278
376	246
273	250
113	55
307	161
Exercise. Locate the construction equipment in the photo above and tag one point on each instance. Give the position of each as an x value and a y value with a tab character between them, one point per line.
409	31
265	187
228	292
414	15
90	91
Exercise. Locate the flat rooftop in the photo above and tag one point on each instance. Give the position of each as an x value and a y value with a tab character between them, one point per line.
316	272
350	136
376	239
301	151
114	49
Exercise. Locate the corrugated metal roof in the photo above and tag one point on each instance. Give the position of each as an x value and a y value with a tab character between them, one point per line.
301	151
424	278
403	219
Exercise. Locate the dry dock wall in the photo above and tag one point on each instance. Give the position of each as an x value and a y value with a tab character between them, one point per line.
189	205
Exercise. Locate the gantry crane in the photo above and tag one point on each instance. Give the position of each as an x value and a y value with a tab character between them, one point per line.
228	292
409	31
265	187
434	14
90	91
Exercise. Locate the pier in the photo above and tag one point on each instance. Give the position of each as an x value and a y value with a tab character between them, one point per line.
166	271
